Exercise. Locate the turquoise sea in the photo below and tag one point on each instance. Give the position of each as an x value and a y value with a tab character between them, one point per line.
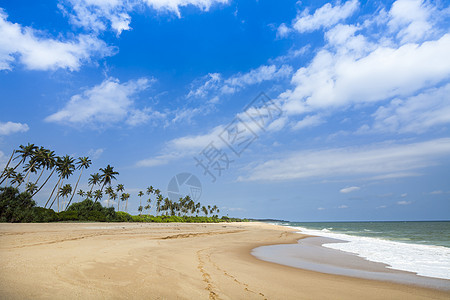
420	247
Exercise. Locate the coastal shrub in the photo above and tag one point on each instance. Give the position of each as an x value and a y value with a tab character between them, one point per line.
68	216
122	216
15	206
87	210
44	215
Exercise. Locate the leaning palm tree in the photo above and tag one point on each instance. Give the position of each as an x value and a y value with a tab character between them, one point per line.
146	207
127	196
7	164
24	153
83	163
93	180
114	197
49	161
9	173
108	175
65	169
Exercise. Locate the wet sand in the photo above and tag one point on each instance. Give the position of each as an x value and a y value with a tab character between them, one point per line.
168	261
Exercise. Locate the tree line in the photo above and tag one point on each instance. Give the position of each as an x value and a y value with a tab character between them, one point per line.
27	165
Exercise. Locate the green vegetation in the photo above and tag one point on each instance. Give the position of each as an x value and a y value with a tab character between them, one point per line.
17	206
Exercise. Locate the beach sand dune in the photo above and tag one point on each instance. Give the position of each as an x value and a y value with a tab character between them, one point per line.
167	261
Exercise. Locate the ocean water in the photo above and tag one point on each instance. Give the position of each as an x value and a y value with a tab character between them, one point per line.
419	247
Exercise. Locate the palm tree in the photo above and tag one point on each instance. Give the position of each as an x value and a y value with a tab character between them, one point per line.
205	210
119	188
81	193
146	207
7	164
93	180
114	197
49	160
150	190
140	194
9	173
34	163
65	168
158	203
31	187
127	196
83	163
24	152
109	190
88	195
98	194
64	192
108	175
18	178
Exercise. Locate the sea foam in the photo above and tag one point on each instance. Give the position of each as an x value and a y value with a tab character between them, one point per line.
425	260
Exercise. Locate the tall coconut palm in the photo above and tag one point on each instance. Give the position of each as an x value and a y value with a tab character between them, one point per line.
81	193
114	197
49	160
24	153
140	194
82	163
88	195
127	196
94	180
35	162
109	190
120	187
65	168
158	203
150	190
108	175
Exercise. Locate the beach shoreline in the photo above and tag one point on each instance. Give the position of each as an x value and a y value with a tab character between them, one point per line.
167	261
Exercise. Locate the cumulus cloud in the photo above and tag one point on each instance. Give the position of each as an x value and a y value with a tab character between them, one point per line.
100	15
382	160
411	20
105	104
324	17
349	189
395	55
37	52
11	127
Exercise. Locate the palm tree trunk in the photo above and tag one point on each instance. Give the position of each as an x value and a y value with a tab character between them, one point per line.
7	164
27	174
118	203
126	205
75	189
45	181
42	172
57	195
21	161
52	192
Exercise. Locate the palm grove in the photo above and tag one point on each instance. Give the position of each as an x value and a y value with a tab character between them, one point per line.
30	168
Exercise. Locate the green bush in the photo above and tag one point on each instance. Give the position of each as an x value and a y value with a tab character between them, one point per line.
15	206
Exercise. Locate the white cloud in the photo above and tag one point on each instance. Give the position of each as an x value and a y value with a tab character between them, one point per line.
105	104
308	121
415	114
404	195
320	208
95	154
349	189
436	192
283	31
213	84
342	206
37	52
403	202
11	127
98	15
326	16
375	160
410	19
335	81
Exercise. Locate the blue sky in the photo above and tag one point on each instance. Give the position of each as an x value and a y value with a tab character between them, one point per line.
358	95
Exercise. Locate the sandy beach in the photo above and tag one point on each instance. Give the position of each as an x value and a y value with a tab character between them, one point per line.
168	261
